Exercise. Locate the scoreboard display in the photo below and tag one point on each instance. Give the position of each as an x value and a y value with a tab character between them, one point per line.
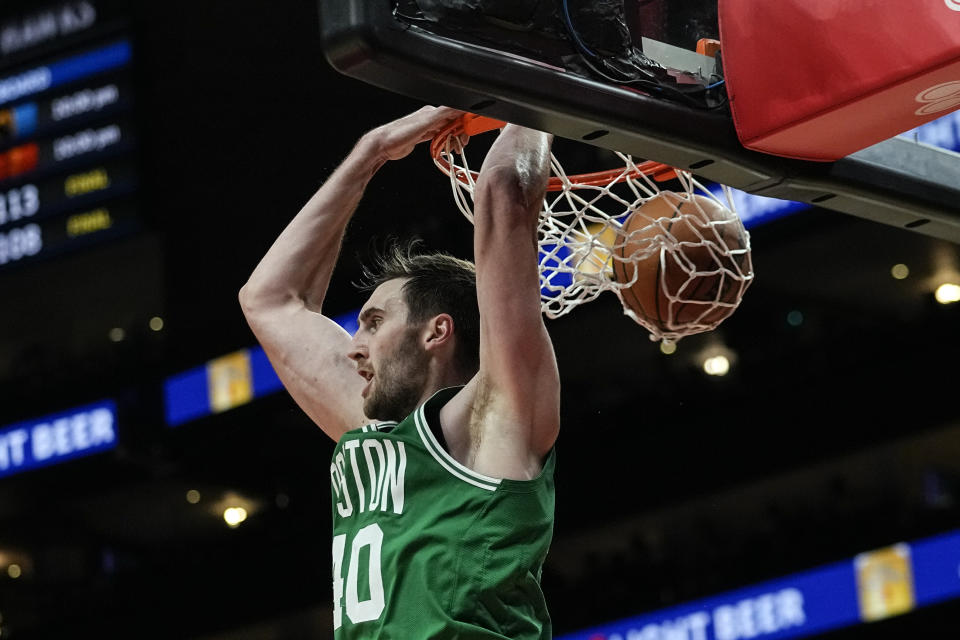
68	170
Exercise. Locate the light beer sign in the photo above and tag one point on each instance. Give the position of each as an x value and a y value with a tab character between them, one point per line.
57	438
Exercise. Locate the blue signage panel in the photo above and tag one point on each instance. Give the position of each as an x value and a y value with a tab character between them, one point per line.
792	607
185	396
83	65
39	79
756	210
873	585
936	568
57	438
113	56
227	382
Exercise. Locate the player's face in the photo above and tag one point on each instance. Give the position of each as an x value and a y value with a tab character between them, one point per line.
389	355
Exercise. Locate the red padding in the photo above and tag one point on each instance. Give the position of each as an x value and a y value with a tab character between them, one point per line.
821	79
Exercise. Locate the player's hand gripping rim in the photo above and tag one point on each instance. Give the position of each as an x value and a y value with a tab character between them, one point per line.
397	139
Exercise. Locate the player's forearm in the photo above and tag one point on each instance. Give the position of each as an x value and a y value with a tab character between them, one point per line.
508	201
301	260
509	198
518	368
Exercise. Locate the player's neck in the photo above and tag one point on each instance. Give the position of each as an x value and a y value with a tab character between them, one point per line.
441	376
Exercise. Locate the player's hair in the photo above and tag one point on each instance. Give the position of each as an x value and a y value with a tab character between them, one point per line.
436	283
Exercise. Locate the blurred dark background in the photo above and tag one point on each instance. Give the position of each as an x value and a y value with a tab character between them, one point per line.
836	430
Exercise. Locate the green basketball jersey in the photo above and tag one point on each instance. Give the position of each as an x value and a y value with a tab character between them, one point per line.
423	547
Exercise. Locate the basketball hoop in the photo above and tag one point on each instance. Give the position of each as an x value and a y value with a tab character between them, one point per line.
608	231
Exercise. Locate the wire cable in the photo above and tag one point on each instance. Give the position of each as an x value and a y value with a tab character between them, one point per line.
651	85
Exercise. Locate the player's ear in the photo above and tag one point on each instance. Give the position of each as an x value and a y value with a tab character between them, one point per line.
438	331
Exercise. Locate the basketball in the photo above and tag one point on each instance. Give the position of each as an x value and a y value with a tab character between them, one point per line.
681	262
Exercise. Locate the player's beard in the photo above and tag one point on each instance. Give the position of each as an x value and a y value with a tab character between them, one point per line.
399	381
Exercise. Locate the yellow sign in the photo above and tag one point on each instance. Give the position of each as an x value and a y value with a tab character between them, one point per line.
594	253
885	582
229	381
89	222
81	183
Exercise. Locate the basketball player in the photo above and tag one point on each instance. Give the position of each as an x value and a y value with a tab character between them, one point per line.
444	405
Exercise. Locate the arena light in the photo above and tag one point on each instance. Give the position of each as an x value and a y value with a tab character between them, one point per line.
234	516
900	271
716	359
15	563
947	293
233	508
717	365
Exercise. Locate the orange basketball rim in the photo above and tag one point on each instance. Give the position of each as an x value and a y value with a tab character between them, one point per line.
472	124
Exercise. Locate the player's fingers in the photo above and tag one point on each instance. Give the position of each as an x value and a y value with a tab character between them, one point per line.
449	113
443	116
438	120
429	114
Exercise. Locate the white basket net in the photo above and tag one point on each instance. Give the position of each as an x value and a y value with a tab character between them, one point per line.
593	237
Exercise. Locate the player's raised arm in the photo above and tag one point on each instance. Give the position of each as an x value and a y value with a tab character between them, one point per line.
282	300
517	391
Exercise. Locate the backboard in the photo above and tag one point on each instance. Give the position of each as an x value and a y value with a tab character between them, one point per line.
518	62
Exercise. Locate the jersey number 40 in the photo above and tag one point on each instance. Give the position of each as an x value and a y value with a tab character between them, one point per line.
371	538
